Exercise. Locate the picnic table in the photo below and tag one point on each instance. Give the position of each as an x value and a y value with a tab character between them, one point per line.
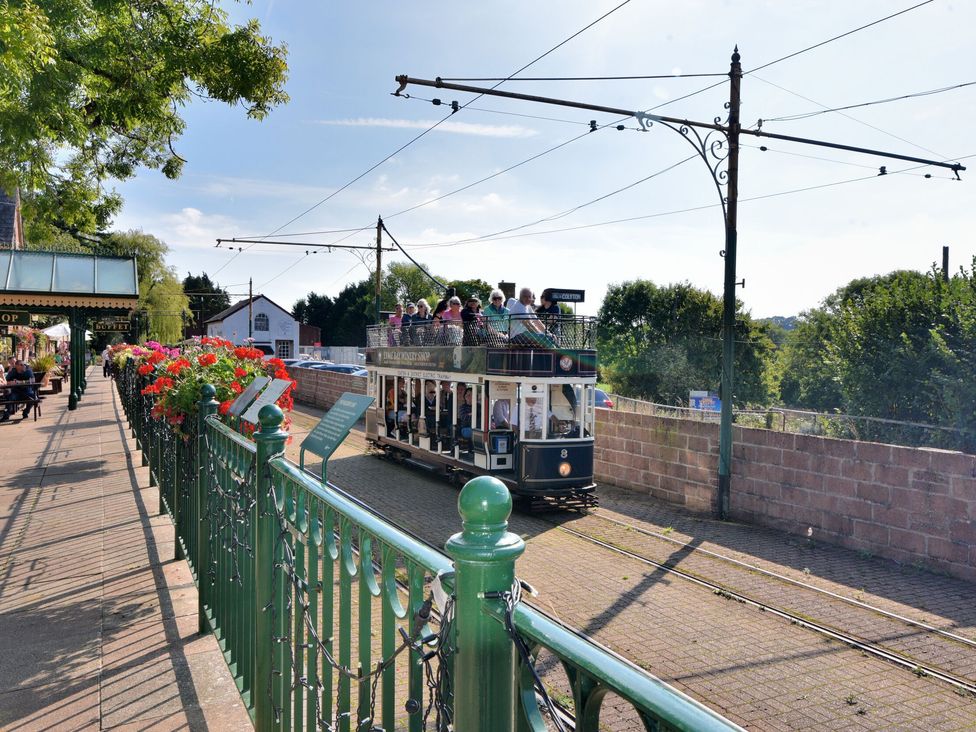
34	403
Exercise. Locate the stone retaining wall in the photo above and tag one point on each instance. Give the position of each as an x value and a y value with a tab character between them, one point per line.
914	505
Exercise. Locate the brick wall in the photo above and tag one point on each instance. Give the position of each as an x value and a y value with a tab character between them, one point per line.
914	505
323	388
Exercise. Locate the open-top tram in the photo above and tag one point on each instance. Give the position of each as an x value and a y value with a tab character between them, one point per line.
490	398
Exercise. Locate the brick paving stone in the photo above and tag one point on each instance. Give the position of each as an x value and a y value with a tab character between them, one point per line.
749	665
97	620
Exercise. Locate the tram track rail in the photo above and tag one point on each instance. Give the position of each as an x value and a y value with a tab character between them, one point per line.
922	625
906	661
913	665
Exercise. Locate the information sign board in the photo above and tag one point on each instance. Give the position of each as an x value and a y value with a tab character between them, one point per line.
269	396
706	403
14	317
111	326
245	398
334	426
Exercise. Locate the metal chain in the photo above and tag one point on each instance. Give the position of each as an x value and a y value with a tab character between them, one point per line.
512	598
284	571
228	510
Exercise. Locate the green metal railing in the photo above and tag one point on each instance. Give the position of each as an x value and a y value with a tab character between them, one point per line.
330	618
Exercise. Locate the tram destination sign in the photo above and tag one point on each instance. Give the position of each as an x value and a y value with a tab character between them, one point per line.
558	294
15	317
439	358
334	426
269	396
245	398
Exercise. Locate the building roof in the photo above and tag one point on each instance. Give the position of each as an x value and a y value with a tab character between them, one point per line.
10	228
36	278
226	313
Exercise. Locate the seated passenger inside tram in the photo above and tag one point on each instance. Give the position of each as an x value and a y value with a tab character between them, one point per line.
429	409
465	413
396	404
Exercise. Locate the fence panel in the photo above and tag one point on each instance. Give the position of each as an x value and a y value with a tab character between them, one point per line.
326	613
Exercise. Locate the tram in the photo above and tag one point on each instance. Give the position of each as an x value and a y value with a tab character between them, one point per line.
503	397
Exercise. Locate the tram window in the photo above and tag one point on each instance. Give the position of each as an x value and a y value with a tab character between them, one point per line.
502	405
564	411
534	411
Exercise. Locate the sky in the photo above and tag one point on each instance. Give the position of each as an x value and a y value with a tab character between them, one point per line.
810	219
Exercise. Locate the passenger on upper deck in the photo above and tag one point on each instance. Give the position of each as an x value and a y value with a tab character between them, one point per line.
421	323
453	311
526	328
396	319
548	306
474	333
496	312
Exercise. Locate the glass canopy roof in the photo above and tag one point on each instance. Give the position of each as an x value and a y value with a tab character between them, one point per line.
62	273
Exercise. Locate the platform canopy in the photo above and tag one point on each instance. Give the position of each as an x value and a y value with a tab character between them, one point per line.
83	286
57	280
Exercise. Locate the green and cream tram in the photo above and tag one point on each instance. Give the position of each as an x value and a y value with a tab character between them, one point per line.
469	400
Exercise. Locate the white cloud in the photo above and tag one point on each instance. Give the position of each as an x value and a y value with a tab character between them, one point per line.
460	128
191	227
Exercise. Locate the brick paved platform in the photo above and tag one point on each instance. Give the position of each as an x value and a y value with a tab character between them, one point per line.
757	669
97	620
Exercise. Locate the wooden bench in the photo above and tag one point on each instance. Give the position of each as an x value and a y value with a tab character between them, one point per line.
32	403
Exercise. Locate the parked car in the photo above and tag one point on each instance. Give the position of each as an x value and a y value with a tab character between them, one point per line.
309	364
602	400
343	368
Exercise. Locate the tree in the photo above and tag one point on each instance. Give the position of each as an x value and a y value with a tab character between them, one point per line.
314	309
659	343
160	291
206	297
900	346
476	287
352	311
91	91
405	282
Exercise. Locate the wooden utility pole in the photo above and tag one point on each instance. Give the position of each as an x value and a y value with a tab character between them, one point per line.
379	264
945	264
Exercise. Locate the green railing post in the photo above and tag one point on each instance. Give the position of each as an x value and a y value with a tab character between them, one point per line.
270	441
484	554
206	406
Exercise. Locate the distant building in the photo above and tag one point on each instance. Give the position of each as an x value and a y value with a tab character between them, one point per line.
274	330
11	222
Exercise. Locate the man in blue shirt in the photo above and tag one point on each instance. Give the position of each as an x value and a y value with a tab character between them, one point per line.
21	372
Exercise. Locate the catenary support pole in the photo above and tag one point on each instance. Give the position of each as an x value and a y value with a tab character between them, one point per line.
728	297
379	264
945	264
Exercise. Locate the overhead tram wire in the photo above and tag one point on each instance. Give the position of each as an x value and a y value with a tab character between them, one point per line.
434	126
568	211
703	207
852	119
837	38
417	264
585	78
651	109
672	101
915	95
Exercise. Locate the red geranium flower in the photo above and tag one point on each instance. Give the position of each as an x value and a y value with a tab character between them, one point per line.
239	372
236	387
207	359
145	369
225	406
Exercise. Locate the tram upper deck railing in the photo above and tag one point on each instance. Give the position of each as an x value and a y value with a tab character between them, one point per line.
553	332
